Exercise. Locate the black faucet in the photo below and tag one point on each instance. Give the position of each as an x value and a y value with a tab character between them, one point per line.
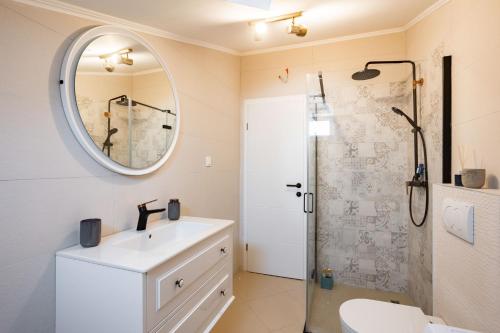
144	214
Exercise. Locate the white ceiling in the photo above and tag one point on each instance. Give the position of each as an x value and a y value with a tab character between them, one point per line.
225	24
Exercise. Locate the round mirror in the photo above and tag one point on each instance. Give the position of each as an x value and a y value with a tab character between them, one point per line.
120	101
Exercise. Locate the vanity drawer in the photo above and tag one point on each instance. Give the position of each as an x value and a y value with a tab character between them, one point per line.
175	282
199	312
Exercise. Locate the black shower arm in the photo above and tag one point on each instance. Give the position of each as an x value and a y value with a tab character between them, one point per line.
143	104
118	97
112	99
320	77
413	67
155	108
414	97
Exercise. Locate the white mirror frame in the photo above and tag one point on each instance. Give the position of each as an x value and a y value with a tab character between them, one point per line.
67	87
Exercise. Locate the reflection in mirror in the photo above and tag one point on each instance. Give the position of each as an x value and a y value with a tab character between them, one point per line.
125	101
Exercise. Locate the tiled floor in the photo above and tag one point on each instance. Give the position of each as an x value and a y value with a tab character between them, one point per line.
264	304
268	304
326	303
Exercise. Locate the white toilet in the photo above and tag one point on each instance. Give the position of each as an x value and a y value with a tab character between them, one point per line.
369	316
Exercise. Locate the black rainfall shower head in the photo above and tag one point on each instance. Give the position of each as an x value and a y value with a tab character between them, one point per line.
124	102
366	74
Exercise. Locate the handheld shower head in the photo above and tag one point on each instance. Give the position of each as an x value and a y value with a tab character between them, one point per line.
401	113
107	143
397	111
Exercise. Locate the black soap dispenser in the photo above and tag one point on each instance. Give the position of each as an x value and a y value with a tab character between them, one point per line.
90	232
174	209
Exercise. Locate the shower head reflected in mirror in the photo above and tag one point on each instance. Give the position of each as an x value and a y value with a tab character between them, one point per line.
124	102
366	74
107	143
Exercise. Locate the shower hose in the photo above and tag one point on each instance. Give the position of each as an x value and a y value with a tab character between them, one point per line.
426	185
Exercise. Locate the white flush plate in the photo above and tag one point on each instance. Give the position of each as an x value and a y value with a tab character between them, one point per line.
458	219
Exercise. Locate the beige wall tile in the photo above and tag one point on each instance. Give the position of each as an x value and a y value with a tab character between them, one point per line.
470	32
370	48
278	60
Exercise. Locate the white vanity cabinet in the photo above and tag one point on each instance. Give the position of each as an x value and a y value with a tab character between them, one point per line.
119	287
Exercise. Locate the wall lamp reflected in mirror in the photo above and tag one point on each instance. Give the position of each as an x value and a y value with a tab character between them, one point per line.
117	58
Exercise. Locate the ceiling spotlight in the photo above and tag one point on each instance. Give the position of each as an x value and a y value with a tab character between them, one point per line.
297	29
259	30
116	58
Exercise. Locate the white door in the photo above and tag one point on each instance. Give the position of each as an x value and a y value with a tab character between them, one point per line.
275	156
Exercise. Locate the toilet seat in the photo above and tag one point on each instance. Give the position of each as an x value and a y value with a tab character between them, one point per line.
369	316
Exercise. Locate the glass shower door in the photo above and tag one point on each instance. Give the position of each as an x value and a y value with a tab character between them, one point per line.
314	102
310	209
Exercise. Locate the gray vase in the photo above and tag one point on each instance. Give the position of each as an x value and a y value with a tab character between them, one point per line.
473	178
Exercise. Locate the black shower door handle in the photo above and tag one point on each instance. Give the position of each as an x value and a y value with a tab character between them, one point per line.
298	185
312	203
306	209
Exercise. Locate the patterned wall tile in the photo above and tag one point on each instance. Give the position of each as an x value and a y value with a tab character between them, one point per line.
362	166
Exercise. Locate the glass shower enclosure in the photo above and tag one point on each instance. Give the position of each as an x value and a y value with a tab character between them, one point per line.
358	228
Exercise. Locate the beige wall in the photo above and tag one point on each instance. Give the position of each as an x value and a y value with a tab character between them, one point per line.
466	283
470	32
48	183
154	89
259	73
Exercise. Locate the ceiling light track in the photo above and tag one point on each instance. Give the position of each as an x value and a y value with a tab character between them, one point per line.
260	26
284	17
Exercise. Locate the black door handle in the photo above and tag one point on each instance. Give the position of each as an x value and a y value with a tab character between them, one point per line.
298	185
304	203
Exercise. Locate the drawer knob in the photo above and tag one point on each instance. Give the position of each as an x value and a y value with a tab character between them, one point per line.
179	283
223	292
224	250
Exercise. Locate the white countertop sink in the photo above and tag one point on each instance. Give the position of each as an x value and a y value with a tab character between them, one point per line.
141	251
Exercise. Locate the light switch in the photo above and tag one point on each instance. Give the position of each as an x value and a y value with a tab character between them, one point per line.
208	161
458	219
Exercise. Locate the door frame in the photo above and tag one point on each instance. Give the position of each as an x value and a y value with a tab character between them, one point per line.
243	199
